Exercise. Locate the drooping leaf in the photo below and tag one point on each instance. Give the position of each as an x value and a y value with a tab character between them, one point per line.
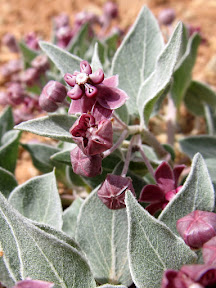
9	150
53	126
197	193
40	154
135	59
102	235
203	144
38	200
154	86
31	252
197	95
70	217
73	179
64	155
64	61
183	73
7	182
153	247
6	121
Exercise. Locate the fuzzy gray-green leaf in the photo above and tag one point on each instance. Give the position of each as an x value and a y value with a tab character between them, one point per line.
64	61
153	247
38	199
53	126
102	235
6	121
154	86
135	59
31	252
197	193
70	217
182	75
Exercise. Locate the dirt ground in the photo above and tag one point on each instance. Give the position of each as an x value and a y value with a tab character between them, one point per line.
23	16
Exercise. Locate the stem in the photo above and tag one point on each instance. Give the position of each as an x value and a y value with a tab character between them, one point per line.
146	160
209	120
122	137
128	156
151	140
115	116
171	120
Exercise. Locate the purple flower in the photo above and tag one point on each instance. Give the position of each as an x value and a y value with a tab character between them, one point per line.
64	36
110	9
209	252
112	191
197	276
89	88
28	283
166	16
62	20
32	40
11	67
15	93
197	228
88	166
41	63
52	95
30	76
91	137
10	41
166	188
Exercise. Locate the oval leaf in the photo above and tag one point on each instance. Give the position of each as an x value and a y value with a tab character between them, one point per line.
143	43
38	199
102	235
7	182
153	247
53	126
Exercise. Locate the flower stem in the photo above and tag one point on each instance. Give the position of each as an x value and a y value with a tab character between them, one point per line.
171	120
128	156
122	137
119	121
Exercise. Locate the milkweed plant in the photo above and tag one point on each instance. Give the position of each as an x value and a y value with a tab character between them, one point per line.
137	216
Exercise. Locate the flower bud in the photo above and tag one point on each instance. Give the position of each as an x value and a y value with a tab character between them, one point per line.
10	41
53	93
112	191
166	16
40	63
197	228
209	252
15	93
30	76
31	41
88	166
110	9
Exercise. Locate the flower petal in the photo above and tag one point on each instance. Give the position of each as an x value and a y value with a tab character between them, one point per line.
90	90
153	208
97	77
177	172
165	177
111	81
101	113
82	105
151	193
75	93
85	67
110	97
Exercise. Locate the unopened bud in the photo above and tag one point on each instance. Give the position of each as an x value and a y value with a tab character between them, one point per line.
88	166
166	16
197	228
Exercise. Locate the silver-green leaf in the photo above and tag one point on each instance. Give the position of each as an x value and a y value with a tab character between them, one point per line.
197	193
102	235
135	59
38	199
153	247
154	86
64	61
53	126
31	252
7	182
